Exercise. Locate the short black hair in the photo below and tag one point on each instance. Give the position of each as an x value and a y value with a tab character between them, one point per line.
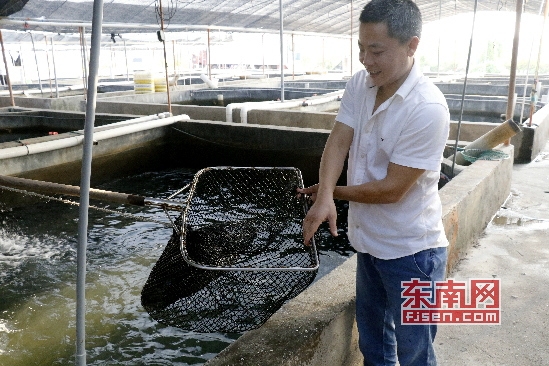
402	17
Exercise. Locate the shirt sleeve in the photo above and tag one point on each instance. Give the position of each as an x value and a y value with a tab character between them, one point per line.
346	113
422	141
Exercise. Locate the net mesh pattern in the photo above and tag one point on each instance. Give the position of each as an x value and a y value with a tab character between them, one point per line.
472	155
240	253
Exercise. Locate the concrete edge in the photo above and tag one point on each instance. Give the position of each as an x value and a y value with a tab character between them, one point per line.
532	139
470	201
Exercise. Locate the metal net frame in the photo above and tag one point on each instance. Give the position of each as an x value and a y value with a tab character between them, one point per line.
236	253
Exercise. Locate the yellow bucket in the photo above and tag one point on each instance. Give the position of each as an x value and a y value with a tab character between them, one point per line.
143	82
160	84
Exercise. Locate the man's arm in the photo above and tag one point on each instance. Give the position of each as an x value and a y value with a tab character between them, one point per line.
331	166
391	189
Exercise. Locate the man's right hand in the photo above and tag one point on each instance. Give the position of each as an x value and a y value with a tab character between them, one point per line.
322	210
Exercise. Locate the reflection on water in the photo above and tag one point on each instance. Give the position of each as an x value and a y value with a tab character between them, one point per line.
38	275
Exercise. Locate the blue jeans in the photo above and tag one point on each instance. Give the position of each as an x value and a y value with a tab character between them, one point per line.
382	337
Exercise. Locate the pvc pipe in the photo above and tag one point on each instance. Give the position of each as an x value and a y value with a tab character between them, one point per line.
136	127
489	140
100	133
54	70
134	120
212	83
248	106
85	176
281	15
229	110
14	152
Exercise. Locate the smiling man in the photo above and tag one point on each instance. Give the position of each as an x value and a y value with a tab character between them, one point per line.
393	124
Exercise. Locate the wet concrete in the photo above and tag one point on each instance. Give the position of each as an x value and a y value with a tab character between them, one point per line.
514	248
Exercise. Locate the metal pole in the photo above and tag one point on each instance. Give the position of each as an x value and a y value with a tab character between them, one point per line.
439	36
263	53
111	63
37	68
464	87
54	70
165	59
174	63
49	68
293	58
83	52
209	60
281	50
126	57
24	76
533	92
8	81
352	37
97	22
513	75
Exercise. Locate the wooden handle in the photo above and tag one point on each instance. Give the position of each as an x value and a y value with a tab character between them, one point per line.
57	188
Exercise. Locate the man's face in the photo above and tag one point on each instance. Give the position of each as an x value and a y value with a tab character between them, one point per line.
386	59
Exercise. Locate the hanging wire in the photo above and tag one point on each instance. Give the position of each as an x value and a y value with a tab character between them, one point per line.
166	13
464	87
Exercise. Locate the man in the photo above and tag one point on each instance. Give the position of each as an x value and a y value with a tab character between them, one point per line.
393	123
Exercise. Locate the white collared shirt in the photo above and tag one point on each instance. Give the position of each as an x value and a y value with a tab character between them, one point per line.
409	129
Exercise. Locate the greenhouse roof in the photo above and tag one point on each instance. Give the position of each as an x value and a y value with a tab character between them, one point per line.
300	16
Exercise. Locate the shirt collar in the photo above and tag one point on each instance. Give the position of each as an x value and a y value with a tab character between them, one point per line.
413	77
410	82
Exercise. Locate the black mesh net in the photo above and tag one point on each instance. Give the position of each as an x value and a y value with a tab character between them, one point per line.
240	254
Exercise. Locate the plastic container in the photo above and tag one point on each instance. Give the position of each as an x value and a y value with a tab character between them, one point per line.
143	82
160	84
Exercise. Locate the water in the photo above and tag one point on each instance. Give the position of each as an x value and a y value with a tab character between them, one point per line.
38	243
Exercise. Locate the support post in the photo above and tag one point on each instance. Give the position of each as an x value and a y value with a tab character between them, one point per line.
49	68
352	56
126	57
281	15
37	67
8	81
97	22
54	70
533	92
165	59
209	60
513	74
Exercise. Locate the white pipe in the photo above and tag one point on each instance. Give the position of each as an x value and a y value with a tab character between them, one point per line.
147	125
229	110
100	133
261	105
248	106
134	120
14	152
212	83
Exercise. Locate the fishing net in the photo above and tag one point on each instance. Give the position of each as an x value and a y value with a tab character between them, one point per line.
236	253
472	155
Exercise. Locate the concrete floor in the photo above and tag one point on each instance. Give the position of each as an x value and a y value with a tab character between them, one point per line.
515	248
